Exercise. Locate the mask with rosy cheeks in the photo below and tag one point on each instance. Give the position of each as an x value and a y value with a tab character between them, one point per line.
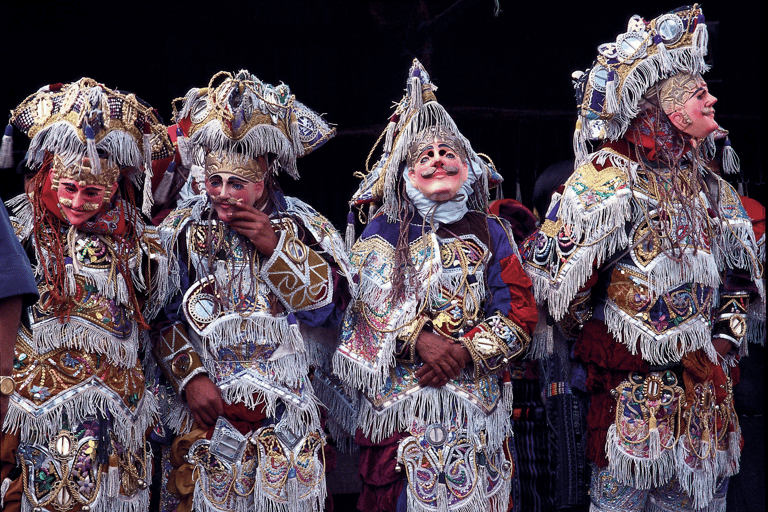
438	170
233	180
81	201
687	102
227	190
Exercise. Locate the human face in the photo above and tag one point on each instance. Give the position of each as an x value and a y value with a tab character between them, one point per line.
696	116
80	201
438	171
226	190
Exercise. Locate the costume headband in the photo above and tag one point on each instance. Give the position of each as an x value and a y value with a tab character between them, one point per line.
253	170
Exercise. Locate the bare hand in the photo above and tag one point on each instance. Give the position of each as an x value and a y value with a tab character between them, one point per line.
255	225
443	359
204	398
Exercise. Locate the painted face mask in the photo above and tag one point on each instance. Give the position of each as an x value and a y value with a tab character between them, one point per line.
437	165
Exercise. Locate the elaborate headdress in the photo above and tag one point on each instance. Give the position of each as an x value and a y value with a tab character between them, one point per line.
84	124
245	117
417	114
609	92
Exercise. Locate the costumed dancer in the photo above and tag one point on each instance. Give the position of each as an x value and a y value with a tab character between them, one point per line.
79	414
651	260
253	270
441	307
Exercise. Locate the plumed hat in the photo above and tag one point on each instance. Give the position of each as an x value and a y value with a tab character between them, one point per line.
415	113
649	51
86	119
241	115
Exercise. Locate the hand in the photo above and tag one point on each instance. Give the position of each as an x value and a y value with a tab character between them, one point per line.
255	225
204	398
443	359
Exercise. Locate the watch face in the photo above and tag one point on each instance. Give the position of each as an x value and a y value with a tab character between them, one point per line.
7	385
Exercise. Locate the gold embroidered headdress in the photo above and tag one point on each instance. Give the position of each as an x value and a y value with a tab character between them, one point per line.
239	117
608	93
93	132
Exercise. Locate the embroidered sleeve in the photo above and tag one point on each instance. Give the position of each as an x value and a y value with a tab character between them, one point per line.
731	320
494	343
177	357
583	229
300	278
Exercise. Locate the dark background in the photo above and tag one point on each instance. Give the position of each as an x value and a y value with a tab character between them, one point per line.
504	79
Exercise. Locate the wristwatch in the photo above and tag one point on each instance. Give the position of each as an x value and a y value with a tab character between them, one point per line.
7	385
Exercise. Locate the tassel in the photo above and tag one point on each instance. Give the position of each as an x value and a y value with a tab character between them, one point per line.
611	96
93	153
664	59
6	149
182	143
349	235
292	489
4	489
164	189
442	493
730	161
518	194
146	206
654	441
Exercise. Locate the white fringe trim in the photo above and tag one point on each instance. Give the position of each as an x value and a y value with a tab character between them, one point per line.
641	473
700	482
39	425
50	334
671	346
434	405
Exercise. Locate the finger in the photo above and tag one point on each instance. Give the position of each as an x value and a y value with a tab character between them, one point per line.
219	407
449	366
245	207
427	377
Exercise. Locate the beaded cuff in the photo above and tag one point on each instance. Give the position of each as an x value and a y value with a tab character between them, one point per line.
494	343
731	320
177	358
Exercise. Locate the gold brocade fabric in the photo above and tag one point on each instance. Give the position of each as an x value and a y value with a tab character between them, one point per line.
42	377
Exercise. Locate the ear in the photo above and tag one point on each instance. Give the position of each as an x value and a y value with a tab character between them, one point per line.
412	176
678	120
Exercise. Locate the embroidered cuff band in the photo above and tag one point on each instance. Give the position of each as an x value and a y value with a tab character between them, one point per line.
300	277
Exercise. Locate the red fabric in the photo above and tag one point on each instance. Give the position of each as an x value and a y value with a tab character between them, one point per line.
381	484
241	417
597	346
520	218
522	306
756	212
608	364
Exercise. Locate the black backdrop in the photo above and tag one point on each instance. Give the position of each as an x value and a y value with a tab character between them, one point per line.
505	78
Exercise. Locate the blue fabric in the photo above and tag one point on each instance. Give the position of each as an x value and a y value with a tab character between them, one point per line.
16	277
